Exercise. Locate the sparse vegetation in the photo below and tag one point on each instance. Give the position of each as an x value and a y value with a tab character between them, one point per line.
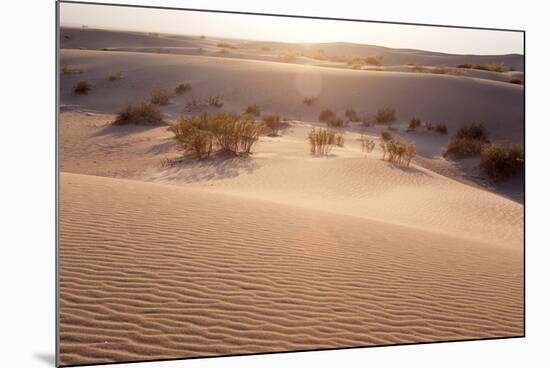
417	68
215	101
321	141
430	127
400	152
71	69
469	141
82	87
464	66
326	115
441	128
352	115
335	122
182	88
161	97
272	124
144	113
265	48
202	37
516	81
440	69
386	135
340	140
499	162
223	45
413	124
115	76
367	144
385	115
224	132
309	101
253	110
289	57
494	67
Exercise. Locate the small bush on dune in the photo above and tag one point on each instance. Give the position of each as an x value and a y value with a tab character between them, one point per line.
475	132
441	128
321	141
82	87
499	162
340	140
223	44
495	67
144	113
71	69
367	144
335	122
386	135
463	147
374	60
182	88
265	48
193	136
309	101
385	115
400	152
352	115
413	124
115	76
160	97
272	124
215	101
516	81
417	68
326	115
464	66
253	110
440	69
430	126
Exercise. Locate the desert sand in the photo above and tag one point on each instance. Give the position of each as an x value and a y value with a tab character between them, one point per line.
280	250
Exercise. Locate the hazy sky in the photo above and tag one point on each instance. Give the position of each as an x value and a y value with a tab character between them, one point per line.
267	28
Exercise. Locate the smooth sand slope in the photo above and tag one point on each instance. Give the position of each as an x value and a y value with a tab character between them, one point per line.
162	271
280	88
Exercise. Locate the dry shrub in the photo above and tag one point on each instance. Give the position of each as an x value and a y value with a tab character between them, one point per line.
265	48
225	132
463	147
385	115
335	122
352	115
475	132
289	57
340	140
115	76
326	115
160	97
321	141
516	81
386	135
367	144
499	162
215	101
253	110
71	69
82	87
272	124
440	69
417	68
144	113
441	128
400	152
494	67
182	88
413	124
464	66
309	101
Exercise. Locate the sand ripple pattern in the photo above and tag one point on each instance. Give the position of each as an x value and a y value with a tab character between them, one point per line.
152	271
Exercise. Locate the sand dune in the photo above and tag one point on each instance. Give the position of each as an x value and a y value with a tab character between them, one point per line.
159	271
281	88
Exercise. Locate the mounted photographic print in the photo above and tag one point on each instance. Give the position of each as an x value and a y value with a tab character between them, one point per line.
233	183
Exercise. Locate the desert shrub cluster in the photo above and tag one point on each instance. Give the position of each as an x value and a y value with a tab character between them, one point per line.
386	135
253	110
352	115
398	151
272	124
182	88
115	76
516	81
468	141
144	113
82	87
160	97
500	161
309	101
414	124
70	69
441	128
367	144
228	133
385	115
198	104
329	117
321	141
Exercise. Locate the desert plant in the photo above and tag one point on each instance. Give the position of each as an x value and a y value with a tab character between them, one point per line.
374	60
351	114
160	97
182	88
223	44
253	110
289	57
115	76
417	68
499	161
495	67
202	37
265	48
234	133
474	132
440	69
463	147
367	144
385	115
335	122
215	101
193	135
430	127
413	124
144	113
326	115
321	141
400	152
386	135
464	66
339	140
441	128
309	101
82	87
71	69
516	81
272	124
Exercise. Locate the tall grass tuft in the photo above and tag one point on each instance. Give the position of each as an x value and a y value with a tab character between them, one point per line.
144	113
321	141
82	87
499	161
385	115
160	97
272	124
